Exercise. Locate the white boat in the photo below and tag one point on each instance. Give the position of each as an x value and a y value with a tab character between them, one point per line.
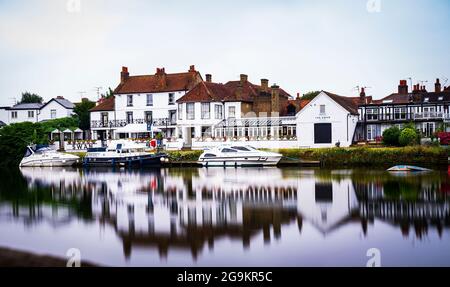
237	155
47	157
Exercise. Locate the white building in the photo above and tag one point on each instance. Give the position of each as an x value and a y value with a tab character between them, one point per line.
146	104
35	112
327	120
103	117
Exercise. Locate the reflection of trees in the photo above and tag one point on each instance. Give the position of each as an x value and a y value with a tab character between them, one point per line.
29	202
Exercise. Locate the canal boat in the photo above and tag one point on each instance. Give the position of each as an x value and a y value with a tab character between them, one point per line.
237	155
407	168
44	156
123	154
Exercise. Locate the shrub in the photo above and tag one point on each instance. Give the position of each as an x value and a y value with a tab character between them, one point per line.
391	136
408	136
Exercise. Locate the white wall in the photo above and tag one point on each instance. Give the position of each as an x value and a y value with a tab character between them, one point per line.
160	107
61	112
334	114
22	116
4	115
198	122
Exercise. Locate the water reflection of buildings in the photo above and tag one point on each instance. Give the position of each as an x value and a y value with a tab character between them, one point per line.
192	209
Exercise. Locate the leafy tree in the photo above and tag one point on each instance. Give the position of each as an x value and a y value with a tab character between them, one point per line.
391	136
82	110
408	136
310	95
30	98
108	94
61	124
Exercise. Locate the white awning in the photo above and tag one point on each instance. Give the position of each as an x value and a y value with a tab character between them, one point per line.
78	130
56	131
67	131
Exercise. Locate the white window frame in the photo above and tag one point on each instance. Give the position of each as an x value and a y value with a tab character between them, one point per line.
180	111
230	113
14	115
190	114
149	99
322	109
53	114
218	110
171	96
206	111
129	100
30	114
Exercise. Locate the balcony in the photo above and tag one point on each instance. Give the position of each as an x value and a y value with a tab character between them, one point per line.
157	122
407	117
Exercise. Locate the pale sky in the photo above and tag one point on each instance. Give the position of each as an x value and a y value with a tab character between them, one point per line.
61	47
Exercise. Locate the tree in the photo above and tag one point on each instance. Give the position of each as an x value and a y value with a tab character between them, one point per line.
30	98
310	95
108	94
408	136
82	110
391	136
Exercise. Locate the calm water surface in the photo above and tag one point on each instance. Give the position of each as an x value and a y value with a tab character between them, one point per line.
228	217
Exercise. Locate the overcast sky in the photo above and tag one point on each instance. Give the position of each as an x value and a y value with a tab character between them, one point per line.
62	47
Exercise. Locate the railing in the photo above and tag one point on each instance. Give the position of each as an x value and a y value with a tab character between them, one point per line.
158	122
406	116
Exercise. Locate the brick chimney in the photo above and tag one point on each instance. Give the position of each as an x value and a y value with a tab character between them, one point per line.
243	78
275	98
265	85
403	87
208	78
161	74
60	97
298	96
192	69
124	75
437	86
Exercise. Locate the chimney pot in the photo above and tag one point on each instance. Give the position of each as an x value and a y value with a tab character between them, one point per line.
264	85
208	78
192	68
124	75
437	86
403	87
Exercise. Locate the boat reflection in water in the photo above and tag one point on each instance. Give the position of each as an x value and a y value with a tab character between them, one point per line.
277	216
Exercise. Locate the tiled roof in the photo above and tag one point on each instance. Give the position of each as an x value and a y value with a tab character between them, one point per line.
206	92
160	82
105	105
347	103
27	106
249	91
414	98
65	103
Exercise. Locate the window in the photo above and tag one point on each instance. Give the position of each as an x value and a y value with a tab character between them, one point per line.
173	117
440	98
129	117
426	100
171	98
241	148
218	112
372	114
31	114
190	111
149	99
322	109
205	110
180	111
231	112
104	118
53	114
14	115
149	117
428	129
129	100
228	150
373	131
400	113
206	131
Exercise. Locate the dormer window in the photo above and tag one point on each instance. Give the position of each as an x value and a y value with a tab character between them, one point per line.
440	98
426	100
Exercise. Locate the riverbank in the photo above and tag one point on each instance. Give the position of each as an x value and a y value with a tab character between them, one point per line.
17	258
338	157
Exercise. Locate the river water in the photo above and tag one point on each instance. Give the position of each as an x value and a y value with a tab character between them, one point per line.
228	217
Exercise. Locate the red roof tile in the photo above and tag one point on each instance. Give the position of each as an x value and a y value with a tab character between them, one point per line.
347	103
206	92
105	105
159	82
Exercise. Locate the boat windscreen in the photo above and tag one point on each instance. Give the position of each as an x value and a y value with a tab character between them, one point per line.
28	152
241	148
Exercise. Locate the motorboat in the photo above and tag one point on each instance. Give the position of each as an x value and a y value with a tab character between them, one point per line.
44	156
123	154
407	168
238	155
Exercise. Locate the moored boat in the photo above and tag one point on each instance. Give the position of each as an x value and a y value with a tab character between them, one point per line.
237	155
44	156
407	168
123	154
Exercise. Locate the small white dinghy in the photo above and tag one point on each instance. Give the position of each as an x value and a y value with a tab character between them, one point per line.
46	157
236	155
